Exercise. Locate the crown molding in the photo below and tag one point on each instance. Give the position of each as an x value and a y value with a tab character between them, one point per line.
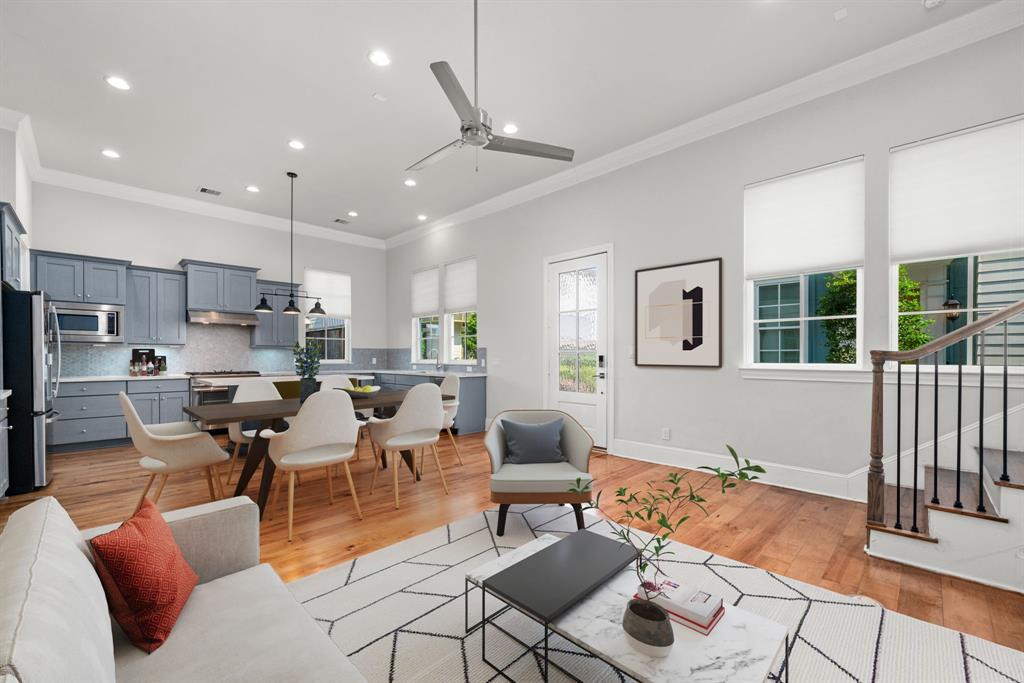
981	24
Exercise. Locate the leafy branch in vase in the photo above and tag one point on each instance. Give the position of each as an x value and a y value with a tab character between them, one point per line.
665	506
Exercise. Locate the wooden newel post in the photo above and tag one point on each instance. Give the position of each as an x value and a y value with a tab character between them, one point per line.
876	473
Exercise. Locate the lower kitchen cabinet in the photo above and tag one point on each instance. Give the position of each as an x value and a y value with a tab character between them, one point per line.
160	408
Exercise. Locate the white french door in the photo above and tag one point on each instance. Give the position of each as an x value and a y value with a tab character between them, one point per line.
577	341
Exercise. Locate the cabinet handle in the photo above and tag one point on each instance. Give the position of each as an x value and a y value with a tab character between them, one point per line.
83	431
85	388
85	407
10	427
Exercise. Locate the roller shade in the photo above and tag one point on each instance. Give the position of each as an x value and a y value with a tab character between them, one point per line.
426	292
460	286
811	221
334	290
961	194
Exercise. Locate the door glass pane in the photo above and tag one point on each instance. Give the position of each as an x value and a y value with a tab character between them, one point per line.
588	330
588	288
567	332
588	373
567	372
567	291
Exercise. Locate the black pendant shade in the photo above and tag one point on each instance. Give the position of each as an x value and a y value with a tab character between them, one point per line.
263	306
317	311
291	308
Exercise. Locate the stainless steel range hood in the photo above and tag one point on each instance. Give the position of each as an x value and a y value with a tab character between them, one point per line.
222	318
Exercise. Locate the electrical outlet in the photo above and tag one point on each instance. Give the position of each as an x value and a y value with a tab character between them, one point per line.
373	361
666	434
483	362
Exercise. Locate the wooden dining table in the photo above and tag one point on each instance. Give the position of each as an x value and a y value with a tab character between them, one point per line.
271	415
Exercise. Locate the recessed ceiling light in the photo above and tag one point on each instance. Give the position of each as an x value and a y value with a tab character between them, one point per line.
379	58
510	129
353	214
421	217
841	14
380	98
296	144
409	182
932	4
110	154
118	83
251	188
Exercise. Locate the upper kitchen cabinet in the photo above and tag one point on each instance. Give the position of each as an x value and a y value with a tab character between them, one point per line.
67	277
218	287
277	329
155	312
11	231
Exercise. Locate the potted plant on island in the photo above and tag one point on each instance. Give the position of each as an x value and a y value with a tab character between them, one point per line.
307	366
662	508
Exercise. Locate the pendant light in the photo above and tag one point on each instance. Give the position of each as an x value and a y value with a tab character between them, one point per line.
263	306
317	311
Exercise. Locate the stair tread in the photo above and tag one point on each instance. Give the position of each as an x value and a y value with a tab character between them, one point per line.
1014	466
947	493
906	498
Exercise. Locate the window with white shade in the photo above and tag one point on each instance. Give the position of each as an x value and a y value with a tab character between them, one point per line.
803	255
444	317
426	308
330	333
956	219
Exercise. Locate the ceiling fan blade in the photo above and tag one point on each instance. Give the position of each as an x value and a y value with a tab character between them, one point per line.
529	148
435	157
456	95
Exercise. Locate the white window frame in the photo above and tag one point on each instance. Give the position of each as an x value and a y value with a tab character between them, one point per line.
448	339
445	323
414	344
348	343
750	341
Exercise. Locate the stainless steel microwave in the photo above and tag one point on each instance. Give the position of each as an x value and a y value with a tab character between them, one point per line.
92	323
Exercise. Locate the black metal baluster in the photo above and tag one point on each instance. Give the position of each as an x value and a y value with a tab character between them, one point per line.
981	424
935	432
899	431
1005	476
959	423
917	401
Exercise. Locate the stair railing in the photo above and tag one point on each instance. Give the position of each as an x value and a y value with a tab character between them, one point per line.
876	471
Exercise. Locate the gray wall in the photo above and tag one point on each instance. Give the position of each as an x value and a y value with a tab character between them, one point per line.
686	205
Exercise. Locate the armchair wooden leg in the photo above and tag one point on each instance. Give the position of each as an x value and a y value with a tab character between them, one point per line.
279	476
160	488
149	482
454	445
234	461
352	488
437	460
330	486
396	463
292	476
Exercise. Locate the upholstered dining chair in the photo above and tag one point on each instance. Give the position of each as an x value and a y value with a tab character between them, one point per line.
338	382
247	391
416	425
540	482
321	435
450	387
170	448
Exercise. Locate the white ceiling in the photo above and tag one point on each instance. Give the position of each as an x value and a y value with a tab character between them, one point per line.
218	88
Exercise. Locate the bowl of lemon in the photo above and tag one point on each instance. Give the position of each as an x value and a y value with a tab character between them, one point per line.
363	390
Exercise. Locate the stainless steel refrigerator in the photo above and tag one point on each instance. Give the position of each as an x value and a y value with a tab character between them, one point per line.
31	362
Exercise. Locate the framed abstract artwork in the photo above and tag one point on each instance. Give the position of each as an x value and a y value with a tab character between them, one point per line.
679	315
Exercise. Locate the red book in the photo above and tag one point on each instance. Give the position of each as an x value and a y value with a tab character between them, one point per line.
689	623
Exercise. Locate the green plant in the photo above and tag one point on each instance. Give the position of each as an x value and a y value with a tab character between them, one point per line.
664	506
913	329
840	298
307	359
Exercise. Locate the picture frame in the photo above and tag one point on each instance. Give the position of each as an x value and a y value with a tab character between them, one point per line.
677	315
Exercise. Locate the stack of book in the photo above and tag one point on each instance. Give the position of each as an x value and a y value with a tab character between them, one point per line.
695	609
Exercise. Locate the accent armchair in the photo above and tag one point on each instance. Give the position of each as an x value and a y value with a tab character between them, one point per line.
547	482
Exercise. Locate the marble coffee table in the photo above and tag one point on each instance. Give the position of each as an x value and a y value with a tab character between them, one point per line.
741	648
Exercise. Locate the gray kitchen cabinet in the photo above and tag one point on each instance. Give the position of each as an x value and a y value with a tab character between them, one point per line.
155	311
205	287
61	277
11	237
147	406
104	283
218	287
276	330
239	290
472	415
172	407
160	408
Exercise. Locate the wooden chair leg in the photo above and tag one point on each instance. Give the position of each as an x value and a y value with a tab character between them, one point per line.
394	468
279	476
376	468
330	486
437	460
292	477
209	483
455	445
352	488
234	461
149	482
217	482
160	488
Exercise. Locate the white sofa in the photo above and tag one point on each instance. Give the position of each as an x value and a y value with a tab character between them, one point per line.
240	623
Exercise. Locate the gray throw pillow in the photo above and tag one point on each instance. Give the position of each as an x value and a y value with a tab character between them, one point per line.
533	443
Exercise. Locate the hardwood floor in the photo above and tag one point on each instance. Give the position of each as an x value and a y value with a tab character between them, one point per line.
812	538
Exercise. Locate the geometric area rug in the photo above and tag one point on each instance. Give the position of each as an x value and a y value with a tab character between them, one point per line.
398	613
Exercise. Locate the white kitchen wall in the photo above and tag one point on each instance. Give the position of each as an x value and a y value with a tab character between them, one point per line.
687	204
84	223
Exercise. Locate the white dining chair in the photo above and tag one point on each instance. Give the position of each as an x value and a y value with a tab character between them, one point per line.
170	448
322	434
340	382
416	425
247	391
450	387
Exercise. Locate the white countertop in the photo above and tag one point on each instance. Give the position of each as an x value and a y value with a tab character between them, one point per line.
122	378
214	381
432	373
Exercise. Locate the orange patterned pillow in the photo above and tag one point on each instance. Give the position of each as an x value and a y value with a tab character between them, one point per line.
145	576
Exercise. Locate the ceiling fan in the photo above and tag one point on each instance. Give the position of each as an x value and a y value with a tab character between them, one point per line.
475	123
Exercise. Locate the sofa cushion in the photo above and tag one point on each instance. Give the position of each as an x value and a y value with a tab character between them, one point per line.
243	627
144	575
54	624
541	477
527	443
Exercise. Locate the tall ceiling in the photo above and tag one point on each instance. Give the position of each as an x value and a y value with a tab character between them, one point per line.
219	88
